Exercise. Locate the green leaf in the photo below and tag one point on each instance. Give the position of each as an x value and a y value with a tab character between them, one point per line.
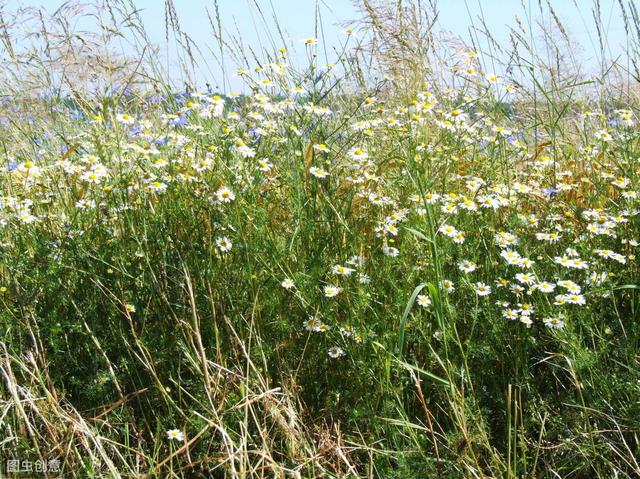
419	234
405	316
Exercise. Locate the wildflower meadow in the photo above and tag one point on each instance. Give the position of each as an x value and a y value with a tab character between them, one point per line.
409	256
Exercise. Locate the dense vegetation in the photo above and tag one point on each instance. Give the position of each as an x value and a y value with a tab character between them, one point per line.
329	276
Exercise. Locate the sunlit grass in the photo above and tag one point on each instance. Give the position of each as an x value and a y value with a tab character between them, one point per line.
328	277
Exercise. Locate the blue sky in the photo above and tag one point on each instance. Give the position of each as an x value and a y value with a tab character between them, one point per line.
297	18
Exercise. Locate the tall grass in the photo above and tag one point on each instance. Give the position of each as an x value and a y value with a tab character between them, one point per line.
417	262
